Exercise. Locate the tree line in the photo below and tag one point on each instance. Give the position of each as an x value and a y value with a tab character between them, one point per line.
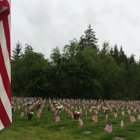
82	70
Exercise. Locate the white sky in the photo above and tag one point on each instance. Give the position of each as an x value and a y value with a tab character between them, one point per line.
45	24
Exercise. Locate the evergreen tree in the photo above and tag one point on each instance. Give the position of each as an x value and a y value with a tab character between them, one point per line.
122	56
131	59
106	47
28	48
89	39
111	51
17	52
116	54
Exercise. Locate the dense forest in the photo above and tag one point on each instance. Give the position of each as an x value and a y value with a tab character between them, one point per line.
82	70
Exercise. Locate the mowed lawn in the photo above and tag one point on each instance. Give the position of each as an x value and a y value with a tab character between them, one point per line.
45	128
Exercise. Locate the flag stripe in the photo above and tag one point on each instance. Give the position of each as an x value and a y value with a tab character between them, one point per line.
6	6
1	125
4	75
7	35
4	39
3	115
4	99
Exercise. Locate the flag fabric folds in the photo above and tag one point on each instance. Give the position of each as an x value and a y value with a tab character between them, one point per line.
108	127
5	70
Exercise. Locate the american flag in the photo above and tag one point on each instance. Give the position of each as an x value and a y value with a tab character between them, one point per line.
94	118
138	116
90	109
115	114
135	110
57	118
22	114
106	116
128	111
5	72
108	127
19	107
123	112
122	123
132	118
72	115
80	121
38	114
96	111
25	109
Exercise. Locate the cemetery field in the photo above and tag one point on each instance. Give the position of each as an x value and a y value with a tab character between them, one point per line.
44	127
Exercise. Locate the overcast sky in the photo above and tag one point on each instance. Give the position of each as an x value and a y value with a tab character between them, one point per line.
45	24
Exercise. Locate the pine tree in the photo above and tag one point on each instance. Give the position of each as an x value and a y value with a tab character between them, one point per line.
89	39
116	53
131	59
111	51
122	57
17	52
28	48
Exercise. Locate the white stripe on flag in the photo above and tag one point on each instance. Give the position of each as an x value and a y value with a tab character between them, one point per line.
5	51
1	125
5	100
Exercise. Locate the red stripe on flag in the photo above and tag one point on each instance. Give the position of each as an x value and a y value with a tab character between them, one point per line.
6	12
3	115
4	75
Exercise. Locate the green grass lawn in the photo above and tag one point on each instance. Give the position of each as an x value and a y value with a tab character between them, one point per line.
45	128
